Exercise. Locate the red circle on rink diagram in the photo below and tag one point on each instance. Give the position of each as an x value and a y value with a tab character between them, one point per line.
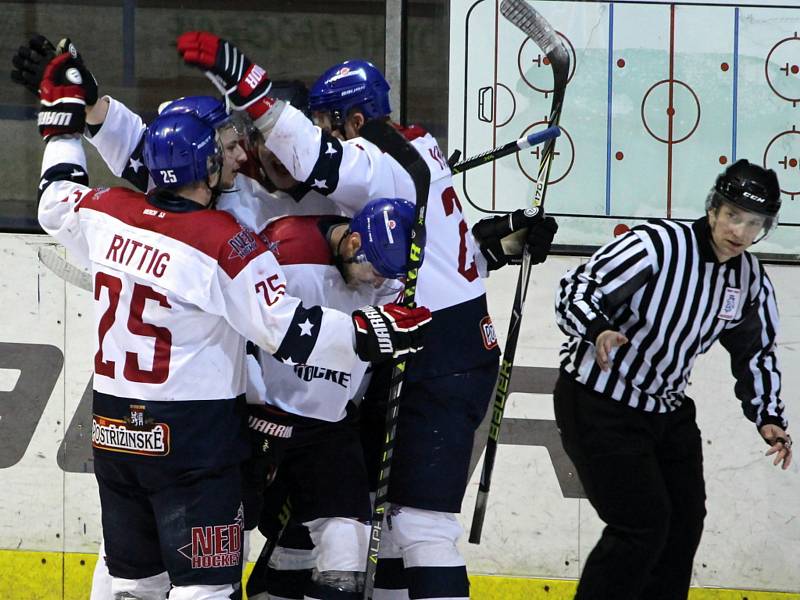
683	96
528	160
782	154
529	53
780	77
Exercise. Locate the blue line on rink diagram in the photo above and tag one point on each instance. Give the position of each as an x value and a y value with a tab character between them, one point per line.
735	115
610	102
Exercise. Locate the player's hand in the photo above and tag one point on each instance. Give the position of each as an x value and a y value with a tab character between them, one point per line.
62	98
605	342
388	331
540	238
501	237
242	82
268	440
780	444
30	62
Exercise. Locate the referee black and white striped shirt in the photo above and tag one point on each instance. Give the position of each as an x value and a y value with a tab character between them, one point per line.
662	286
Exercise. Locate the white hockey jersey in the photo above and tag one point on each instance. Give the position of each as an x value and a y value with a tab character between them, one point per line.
177	290
302	250
351	173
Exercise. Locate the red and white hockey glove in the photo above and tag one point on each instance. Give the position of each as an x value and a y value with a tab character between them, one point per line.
242	82
62	97
30	62
388	331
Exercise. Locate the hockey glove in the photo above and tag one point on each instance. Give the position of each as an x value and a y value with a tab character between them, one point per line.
63	98
269	436
388	331
500	238
30	62
242	82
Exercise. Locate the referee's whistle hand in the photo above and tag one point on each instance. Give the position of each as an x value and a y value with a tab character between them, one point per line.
780	444
605	342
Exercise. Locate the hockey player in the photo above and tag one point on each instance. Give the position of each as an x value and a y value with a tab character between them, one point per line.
307	416
638	314
176	287
447	387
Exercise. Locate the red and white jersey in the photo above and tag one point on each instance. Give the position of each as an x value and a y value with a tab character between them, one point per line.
177	289
304	254
353	172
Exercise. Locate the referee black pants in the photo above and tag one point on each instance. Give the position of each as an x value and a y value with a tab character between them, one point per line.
643	474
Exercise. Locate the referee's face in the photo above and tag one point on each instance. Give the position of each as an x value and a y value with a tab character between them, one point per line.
733	230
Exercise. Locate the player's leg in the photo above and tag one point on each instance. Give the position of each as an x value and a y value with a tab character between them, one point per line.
430	469
200	530
285	573
330	495
681	458
613	449
390	577
132	554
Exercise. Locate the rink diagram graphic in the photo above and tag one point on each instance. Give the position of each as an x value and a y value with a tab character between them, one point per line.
661	97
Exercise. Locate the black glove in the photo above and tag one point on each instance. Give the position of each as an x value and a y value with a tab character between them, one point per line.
242	82
388	331
30	62
270	434
500	238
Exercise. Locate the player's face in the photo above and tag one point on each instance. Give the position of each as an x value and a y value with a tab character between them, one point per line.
357	269
233	155
324	121
350	130
733	230
277	173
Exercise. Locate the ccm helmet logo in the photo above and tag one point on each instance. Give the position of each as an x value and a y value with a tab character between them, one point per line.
753	197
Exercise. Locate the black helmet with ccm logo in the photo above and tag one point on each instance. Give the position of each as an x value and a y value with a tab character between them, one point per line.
750	187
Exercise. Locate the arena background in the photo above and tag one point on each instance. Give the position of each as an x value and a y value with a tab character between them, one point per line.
469	78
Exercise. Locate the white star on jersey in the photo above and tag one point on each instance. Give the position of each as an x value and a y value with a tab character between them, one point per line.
331	149
321	184
288	361
306	327
135	164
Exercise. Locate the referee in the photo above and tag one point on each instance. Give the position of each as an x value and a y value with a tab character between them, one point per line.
638	314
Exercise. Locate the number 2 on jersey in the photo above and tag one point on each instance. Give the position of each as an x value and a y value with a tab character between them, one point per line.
451	202
163	337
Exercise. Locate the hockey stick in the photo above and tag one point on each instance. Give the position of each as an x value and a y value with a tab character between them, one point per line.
542	33
383	135
65	270
534	139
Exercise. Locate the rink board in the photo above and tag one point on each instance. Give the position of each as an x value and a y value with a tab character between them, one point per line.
538	527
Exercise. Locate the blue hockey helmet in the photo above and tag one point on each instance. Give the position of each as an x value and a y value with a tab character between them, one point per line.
353	83
207	108
180	148
384	225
